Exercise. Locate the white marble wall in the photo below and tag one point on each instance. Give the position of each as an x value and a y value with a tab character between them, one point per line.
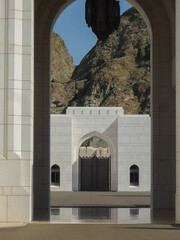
16	110
134	147
128	137
61	150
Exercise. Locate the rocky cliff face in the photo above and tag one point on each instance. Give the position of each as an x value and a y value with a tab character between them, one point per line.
62	68
115	72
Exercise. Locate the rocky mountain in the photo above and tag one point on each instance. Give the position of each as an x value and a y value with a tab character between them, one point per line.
62	68
115	72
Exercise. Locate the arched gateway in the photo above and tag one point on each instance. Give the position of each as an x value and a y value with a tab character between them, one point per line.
94	164
24	83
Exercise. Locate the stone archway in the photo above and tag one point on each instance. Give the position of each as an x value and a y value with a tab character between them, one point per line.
94	168
113	181
162	21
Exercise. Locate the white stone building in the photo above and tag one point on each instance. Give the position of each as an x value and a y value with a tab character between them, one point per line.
128	138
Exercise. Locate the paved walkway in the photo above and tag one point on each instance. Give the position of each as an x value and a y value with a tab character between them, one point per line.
46	231
9	225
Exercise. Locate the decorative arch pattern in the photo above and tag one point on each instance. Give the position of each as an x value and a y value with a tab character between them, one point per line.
98	135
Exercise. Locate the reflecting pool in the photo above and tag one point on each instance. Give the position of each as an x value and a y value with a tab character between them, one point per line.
131	215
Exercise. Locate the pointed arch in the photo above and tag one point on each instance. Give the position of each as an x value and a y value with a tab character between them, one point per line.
55	175
134	176
98	135
113	163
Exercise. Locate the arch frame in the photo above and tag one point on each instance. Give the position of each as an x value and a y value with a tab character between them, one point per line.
113	162
161	15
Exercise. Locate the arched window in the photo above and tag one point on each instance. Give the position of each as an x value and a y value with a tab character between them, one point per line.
55	175
134	176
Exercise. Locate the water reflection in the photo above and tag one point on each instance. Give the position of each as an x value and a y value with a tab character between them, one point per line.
100	215
94	213
55	211
134	212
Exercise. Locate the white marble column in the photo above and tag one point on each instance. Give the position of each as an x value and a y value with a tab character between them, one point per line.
16	110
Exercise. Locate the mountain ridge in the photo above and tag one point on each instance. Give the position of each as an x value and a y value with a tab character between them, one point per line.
115	72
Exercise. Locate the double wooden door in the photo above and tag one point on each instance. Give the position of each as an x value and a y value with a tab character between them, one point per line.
95	174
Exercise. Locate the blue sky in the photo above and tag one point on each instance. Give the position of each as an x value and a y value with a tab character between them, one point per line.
71	26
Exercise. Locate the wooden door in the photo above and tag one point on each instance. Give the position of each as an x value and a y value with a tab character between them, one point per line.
102	174
95	174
